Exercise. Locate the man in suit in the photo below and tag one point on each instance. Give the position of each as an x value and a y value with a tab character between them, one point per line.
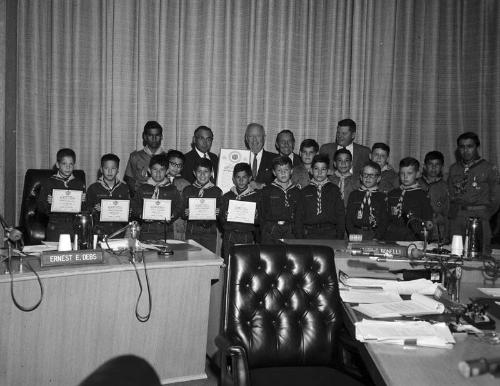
285	142
202	142
346	132
261	161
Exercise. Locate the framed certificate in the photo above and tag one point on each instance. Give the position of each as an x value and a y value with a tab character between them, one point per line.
159	210
114	210
241	211
202	208
66	201
228	158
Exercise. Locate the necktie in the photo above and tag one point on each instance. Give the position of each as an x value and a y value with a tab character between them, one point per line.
254	166
205	156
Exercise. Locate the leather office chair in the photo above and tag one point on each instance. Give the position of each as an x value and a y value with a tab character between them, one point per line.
282	315
124	370
31	222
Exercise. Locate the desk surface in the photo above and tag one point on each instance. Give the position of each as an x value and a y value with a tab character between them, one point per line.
397	365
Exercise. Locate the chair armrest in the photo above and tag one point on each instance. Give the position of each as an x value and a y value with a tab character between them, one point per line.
234	364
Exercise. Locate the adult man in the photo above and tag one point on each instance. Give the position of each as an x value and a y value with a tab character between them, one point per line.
285	142
261	161
136	173
473	186
346	132
201	145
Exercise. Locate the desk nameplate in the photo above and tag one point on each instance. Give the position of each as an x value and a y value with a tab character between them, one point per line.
51	258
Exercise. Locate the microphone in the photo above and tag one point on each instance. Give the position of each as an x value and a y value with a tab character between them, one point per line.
11	233
133	240
479	366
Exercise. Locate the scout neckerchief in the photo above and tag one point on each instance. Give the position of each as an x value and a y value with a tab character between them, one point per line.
149	152
65	180
342	177
157	185
247	192
208	185
398	209
110	189
284	190
367	201
319	188
462	184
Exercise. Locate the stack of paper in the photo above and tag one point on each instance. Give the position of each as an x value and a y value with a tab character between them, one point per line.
368	296
418	305
494	292
405	333
421	286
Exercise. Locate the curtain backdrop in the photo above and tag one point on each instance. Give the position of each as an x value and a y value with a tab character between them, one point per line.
411	73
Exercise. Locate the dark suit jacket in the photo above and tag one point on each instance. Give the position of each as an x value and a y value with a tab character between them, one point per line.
360	156
296	160
191	158
265	172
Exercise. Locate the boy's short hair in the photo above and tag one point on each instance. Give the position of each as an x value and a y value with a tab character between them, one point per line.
373	165
203	163
282	161
320	158
340	151
469	135
110	157
349	123
383	146
242	167
152	125
65	152
159	159
434	155
309	143
175	154
409	161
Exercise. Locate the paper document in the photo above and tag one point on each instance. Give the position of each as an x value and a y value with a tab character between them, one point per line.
421	286
417	333
418	305
495	292
368	296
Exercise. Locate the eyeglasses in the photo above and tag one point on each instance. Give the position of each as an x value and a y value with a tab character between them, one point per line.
368	175
208	139
176	165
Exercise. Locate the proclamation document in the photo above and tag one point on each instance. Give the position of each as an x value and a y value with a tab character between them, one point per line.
66	201
241	211
114	210
202	208
227	159
159	210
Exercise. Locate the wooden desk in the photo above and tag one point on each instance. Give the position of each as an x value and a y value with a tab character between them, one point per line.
87	317
397	365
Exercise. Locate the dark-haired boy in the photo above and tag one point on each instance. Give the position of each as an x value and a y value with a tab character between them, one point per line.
437	189
320	208
409	207
238	232
136	172
108	186
157	187
389	178
301	174
59	223
279	204
175	161
202	231
366	212
342	176
473	185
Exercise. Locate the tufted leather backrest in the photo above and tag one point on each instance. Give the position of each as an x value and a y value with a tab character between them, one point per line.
32	222
282	304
